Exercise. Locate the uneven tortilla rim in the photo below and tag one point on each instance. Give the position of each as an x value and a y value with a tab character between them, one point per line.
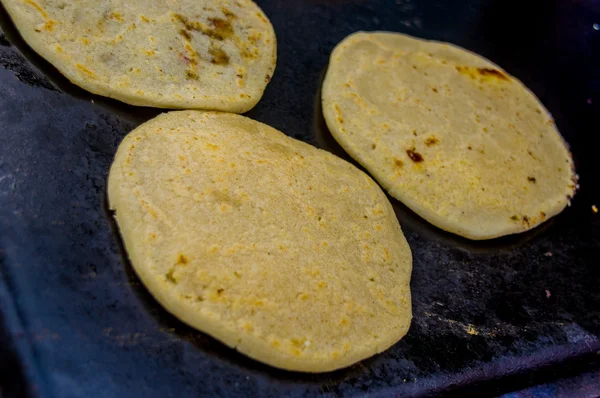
212	102
253	347
430	216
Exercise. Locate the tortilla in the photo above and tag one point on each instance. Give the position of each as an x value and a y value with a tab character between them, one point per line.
287	253
448	133
205	54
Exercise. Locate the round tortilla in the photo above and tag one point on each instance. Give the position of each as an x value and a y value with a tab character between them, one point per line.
204	54
448	133
284	251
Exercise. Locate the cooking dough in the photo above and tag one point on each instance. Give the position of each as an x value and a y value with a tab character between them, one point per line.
205	54
284	251
451	135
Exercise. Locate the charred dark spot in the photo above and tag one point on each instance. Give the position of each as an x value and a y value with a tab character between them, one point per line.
185	34
219	56
515	218
531	154
531	179
431	141
268	78
526	220
469	147
398	162
434	89
473	73
414	156
492	72
220	291
415	133
373	146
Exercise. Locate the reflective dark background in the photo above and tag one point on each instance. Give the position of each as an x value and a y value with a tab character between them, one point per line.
489	317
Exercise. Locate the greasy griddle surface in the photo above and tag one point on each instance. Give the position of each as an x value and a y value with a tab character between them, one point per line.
488	316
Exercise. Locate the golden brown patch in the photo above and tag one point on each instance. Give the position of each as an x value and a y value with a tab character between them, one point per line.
227	13
48	25
85	70
170	277
37	7
398	162
414	156
481	73
515	218
221	29
182	260
431	141
191	75
219	57
116	16
185	34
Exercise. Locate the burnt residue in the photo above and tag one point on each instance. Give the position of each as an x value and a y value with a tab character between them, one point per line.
10	59
531	179
414	155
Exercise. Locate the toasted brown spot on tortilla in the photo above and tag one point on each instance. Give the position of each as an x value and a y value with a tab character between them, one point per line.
414	156
185	34
219	56
431	141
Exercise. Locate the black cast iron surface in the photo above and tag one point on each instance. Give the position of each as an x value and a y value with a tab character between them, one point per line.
489	317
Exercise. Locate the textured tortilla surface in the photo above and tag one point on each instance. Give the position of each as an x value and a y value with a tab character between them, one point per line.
284	251
450	134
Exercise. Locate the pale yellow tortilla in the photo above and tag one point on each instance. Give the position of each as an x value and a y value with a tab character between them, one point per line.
451	135
281	250
205	54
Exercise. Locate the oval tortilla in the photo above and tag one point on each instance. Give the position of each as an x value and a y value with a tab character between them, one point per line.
204	54
451	135
281	250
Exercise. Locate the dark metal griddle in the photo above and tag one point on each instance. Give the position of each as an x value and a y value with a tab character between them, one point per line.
489	317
